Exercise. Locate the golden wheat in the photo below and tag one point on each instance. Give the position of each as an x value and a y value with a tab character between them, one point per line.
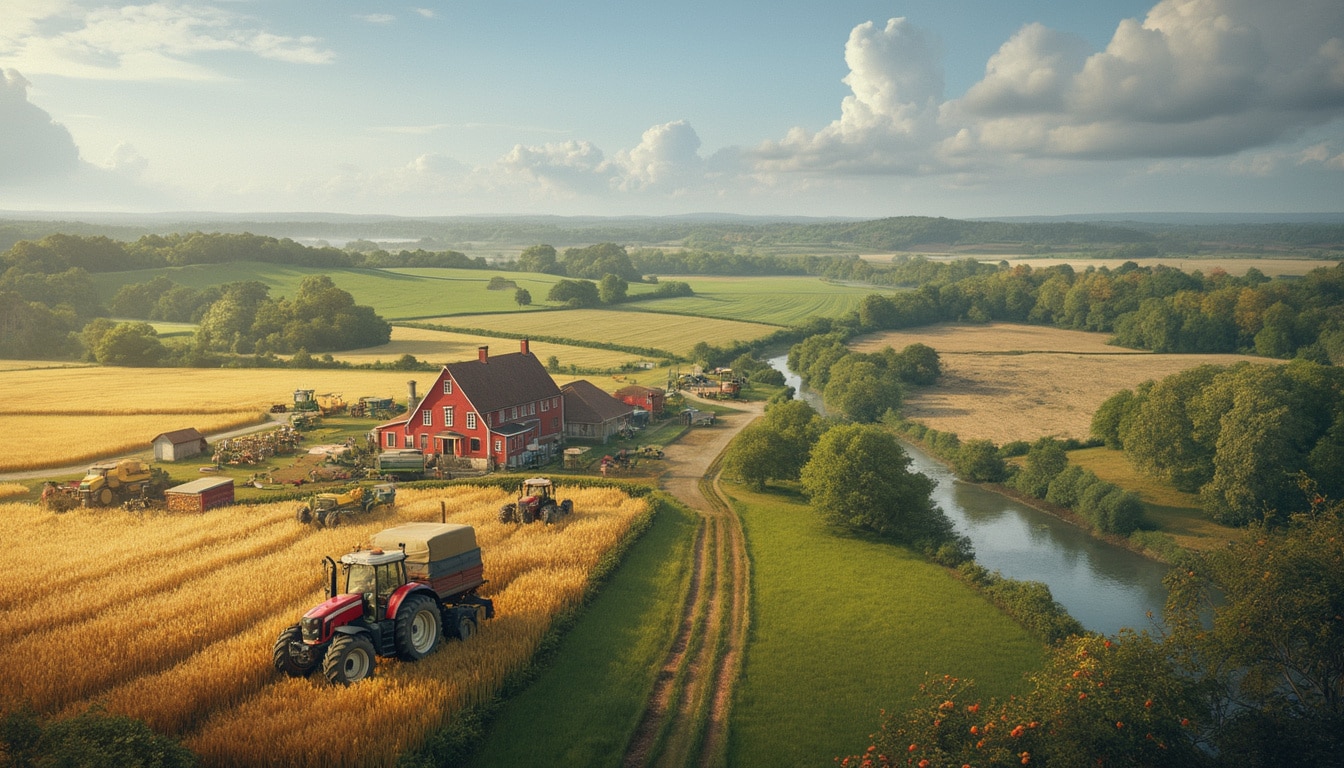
171	619
8	490
71	439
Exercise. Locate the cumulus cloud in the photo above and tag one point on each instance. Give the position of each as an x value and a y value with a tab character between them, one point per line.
667	155
34	146
376	18
154	41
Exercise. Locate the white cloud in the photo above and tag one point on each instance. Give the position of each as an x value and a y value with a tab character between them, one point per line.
376	18
34	146
154	41
428	13
666	156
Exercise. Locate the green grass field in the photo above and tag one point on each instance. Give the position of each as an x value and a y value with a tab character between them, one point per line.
584	707
842	628
772	300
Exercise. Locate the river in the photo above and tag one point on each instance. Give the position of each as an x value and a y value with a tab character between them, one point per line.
1103	586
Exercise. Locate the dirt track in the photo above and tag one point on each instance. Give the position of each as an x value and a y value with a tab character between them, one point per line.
685	721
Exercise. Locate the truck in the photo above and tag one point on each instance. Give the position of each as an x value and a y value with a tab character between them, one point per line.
407	463
535	502
413	585
117	482
331	509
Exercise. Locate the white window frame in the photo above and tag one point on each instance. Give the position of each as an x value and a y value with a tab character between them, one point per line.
447	386
391	439
471	420
427	418
499	446
447	415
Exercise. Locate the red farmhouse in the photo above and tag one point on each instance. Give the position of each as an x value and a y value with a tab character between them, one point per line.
502	411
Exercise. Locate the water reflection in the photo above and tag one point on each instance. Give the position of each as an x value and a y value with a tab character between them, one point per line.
1103	586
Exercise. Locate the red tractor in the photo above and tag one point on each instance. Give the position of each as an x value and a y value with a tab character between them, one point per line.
416	582
535	502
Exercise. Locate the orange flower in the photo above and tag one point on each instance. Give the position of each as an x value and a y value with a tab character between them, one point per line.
913	747
1119	724
1082	696
923	764
1018	731
1148	704
975	729
974	707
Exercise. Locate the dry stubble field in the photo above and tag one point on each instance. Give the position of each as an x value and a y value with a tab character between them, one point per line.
171	619
1005	382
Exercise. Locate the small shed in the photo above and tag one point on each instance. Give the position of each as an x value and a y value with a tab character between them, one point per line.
200	495
592	414
648	398
178	444
574	457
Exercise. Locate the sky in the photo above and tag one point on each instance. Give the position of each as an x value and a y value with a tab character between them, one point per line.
958	108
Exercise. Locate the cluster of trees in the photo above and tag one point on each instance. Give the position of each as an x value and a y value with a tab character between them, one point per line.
862	386
611	289
1257	685
593	262
1238	436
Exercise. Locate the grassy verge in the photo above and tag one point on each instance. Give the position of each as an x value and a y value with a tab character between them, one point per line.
842	628
583	707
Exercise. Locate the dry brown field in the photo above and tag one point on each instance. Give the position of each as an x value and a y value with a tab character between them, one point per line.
1005	382
171	619
673	333
1230	264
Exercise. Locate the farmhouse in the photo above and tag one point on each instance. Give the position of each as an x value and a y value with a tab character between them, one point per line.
647	398
501	411
591	414
178	444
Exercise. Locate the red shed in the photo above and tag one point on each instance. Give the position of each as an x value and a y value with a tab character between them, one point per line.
647	398
200	495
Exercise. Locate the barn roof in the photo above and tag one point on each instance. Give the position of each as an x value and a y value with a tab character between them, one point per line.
503	380
180	436
638	390
585	403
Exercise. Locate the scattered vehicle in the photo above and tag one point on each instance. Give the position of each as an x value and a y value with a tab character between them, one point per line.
413	584
279	408
535	502
332	509
330	403
60	497
107	484
408	463
304	400
376	407
651	452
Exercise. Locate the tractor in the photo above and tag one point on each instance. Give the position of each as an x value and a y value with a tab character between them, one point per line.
535	502
107	484
332	509
413	584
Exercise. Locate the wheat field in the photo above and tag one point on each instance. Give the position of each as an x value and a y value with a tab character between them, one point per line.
171	618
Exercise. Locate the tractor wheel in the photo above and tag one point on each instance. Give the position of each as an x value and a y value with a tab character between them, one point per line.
286	660
528	517
508	513
304	514
105	497
335	518
466	627
418	627
550	514
349	659
566	507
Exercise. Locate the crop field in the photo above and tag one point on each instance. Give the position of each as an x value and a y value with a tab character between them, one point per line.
1232	264
149	607
773	300
70	439
1006	382
673	333
444	347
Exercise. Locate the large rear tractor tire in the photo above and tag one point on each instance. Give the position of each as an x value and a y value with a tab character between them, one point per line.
508	513
418	628
105	496
349	659
566	507
299	664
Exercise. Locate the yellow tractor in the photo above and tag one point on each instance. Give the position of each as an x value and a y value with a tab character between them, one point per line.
114	483
332	509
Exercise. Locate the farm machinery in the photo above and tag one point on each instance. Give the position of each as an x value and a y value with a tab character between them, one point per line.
332	509
535	502
107	484
414	584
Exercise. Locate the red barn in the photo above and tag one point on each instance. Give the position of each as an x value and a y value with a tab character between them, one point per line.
647	398
502	411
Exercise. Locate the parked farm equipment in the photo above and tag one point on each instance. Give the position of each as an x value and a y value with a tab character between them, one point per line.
115	483
376	407
254	449
535	502
405	464
415	583
332	509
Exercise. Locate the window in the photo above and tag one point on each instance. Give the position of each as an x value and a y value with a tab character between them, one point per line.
424	440
513	412
555	422
475	445
391	439
447	415
447	386
545	405
408	442
427	417
531	409
499	446
471	421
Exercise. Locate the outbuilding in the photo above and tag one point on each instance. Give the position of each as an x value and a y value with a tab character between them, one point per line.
200	495
591	414
648	398
178	444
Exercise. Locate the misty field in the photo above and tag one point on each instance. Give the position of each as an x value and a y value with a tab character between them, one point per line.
148	605
1232	264
1005	382
672	333
773	300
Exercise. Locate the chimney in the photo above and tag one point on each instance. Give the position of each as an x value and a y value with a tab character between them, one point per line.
525	350
412	401
483	354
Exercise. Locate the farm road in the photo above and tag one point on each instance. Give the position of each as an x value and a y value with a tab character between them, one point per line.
29	474
685	721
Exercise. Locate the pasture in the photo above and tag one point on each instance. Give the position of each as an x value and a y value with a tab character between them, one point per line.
771	300
149	607
822	661
1004	382
441	347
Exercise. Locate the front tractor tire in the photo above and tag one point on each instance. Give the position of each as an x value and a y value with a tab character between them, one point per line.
349	659
550	514
418	628
508	513
304	514
527	515
105	497
300	664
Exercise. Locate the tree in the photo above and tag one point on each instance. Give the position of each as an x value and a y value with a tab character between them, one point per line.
575	293
130	344
539	258
1045	460
979	461
858	478
756	457
611	289
522	297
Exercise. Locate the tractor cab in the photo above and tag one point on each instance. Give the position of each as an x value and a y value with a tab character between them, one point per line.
374	575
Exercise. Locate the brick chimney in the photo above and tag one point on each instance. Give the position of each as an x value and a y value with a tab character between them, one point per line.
524	348
483	354
411	385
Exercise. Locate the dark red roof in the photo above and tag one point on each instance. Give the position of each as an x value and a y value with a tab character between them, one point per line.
181	436
585	403
503	381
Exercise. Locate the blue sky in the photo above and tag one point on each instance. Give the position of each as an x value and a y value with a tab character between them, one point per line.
957	108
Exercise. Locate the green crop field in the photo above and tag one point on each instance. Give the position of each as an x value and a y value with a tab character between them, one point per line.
773	300
584	707
842	628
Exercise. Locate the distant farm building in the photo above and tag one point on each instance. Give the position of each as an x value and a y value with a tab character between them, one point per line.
591	414
177	445
648	398
200	495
